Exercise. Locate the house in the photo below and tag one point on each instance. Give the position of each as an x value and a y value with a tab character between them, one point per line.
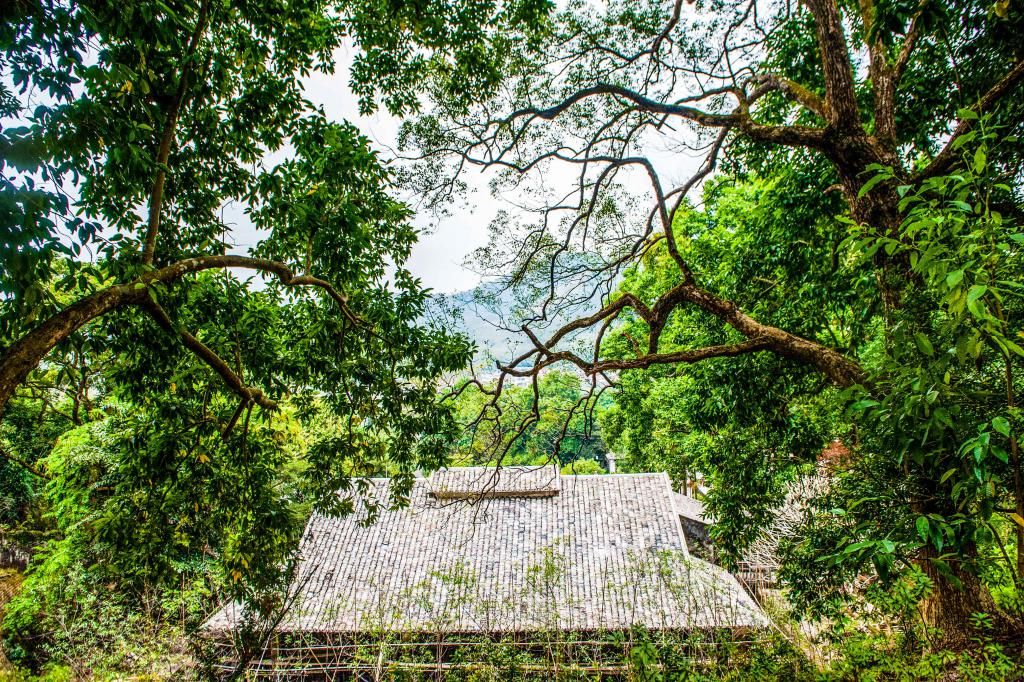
511	550
758	566
696	524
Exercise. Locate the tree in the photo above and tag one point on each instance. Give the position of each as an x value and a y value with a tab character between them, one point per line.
748	424
141	134
561	430
860	102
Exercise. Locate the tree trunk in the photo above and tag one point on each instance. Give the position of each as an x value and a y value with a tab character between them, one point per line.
959	594
950	605
852	154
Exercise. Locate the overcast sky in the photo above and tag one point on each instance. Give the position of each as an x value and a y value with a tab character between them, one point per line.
438	257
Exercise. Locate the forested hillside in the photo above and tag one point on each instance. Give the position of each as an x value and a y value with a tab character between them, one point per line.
773	246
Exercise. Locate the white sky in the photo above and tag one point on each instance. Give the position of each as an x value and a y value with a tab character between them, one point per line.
438	257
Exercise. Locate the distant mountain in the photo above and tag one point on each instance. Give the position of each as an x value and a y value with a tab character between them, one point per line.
487	315
491	315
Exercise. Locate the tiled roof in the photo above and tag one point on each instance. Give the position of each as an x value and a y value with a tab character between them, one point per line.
600	552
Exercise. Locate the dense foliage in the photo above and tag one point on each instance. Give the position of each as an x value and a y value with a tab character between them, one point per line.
206	321
852	274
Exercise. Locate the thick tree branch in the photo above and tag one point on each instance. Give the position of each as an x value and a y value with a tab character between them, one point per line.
641	101
793	90
156	196
948	157
18	462
248	394
909	43
840	370
282	271
26	353
690	356
677	11
789	135
881	75
840	96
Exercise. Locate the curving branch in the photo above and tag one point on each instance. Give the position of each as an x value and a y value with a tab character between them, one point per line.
642	102
22	464
789	135
840	370
249	394
689	357
792	90
26	353
949	155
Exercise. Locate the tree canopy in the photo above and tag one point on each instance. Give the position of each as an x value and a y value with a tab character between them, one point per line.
866	157
195	257
787	225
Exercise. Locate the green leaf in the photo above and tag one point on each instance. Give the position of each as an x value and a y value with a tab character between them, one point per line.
1002	425
1012	347
870	184
922	525
923	344
979	159
857	546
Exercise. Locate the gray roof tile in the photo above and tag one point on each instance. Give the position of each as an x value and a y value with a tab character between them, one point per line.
544	552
